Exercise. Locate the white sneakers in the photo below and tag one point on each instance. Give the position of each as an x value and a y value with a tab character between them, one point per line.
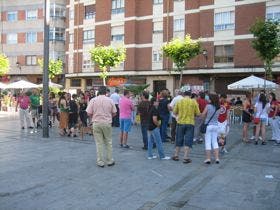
253	138
166	158
154	157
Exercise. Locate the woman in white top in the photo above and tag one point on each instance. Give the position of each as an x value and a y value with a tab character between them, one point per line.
211	113
262	107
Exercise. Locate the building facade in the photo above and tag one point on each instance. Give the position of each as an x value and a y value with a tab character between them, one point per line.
22	31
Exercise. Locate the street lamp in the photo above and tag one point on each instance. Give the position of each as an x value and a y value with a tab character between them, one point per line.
205	54
45	123
19	67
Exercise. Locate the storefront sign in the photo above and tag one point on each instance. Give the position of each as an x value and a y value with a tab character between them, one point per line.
116	81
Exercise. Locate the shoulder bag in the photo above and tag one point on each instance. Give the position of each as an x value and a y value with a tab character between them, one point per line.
203	127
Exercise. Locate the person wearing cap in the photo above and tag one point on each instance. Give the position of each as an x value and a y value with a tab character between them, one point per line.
186	109
101	109
171	106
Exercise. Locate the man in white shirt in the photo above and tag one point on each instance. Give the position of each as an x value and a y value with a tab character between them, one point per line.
116	98
177	98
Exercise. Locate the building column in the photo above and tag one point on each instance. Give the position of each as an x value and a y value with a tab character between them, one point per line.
83	84
67	84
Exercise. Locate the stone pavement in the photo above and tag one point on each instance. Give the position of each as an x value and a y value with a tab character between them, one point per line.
60	173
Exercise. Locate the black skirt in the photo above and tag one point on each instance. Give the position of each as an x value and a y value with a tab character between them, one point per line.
246	117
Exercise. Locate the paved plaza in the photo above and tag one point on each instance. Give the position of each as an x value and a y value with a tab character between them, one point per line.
60	173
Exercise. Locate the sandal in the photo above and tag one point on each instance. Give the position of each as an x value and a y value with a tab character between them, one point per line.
175	158
263	143
187	160
246	141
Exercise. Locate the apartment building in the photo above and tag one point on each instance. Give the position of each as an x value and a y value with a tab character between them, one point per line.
144	26
22	31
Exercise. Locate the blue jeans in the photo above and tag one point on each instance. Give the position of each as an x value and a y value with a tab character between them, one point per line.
144	130
154	136
184	135
163	126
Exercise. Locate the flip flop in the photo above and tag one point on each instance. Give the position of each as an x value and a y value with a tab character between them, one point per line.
187	160
175	158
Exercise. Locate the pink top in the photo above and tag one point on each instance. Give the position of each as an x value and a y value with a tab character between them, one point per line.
23	102
101	108
126	107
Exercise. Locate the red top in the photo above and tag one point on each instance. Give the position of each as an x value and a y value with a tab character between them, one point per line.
224	107
201	104
23	102
273	106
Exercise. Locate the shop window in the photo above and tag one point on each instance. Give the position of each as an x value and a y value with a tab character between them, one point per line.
76	82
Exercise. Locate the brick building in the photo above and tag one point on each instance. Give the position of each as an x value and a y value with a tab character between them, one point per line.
143	26
21	32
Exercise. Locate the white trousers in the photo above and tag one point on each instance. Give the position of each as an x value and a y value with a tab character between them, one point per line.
24	116
275	127
211	137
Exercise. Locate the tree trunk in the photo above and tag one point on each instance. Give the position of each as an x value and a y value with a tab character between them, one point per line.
104	81
181	78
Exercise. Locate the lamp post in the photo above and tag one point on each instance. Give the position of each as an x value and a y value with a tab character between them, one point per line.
205	54
45	123
19	67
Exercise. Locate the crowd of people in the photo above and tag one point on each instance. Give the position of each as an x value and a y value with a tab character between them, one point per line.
192	118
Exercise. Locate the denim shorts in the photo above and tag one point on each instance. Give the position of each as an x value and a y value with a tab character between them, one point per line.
184	135
125	125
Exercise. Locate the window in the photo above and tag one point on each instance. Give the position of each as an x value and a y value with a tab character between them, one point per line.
158	27
224	21
57	34
31	37
71	38
88	36
31	60
13	60
71	15
179	24
117	6
75	82
12	38
157	56
158	1
12	16
224	54
117	38
89	11
87	63
57	55
57	10
273	13
31	15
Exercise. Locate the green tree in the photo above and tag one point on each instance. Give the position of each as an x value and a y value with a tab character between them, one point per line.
107	56
266	42
55	67
181	52
137	89
4	64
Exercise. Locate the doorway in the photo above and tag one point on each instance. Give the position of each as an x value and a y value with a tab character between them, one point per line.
159	85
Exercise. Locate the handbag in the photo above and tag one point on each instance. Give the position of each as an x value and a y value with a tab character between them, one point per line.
256	120
203	127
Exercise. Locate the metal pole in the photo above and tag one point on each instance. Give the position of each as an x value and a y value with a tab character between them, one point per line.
45	123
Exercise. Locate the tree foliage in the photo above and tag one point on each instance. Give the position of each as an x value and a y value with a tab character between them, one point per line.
137	89
266	42
4	64
55	67
107	56
181	52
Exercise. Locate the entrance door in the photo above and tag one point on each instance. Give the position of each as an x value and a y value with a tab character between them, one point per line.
159	85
